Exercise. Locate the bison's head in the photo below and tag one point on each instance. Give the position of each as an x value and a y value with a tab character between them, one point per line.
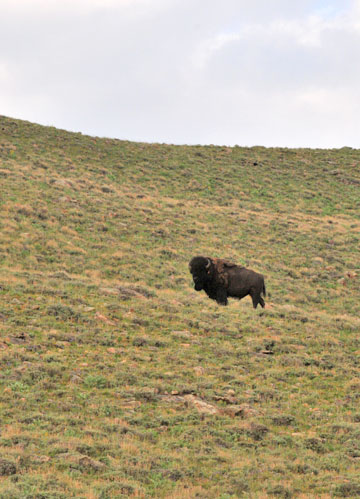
200	268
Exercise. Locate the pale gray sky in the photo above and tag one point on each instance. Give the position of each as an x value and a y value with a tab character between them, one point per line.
247	72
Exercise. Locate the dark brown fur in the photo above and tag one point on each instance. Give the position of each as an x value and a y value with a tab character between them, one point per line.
221	279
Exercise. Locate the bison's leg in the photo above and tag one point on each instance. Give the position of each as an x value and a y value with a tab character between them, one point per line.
210	292
256	298
221	296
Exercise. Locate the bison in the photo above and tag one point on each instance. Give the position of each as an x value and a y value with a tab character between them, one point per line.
221	279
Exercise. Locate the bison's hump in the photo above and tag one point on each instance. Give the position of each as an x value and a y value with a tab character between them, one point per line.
219	262
229	265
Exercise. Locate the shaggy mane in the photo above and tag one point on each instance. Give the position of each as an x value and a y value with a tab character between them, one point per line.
220	275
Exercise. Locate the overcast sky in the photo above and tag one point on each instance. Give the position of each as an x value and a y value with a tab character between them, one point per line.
246	72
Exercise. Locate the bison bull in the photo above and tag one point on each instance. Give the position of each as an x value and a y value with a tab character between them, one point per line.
221	279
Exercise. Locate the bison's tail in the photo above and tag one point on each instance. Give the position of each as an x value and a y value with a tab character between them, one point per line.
264	289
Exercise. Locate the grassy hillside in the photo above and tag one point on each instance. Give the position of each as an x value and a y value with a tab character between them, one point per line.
117	379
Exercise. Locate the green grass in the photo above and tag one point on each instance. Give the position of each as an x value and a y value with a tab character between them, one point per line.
117	379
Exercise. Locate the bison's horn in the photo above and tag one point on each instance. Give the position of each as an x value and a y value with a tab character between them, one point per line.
208	264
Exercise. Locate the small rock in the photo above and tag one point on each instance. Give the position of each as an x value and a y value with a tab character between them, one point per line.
243	411
234	410
201	406
64	199
229	399
19	338
182	334
199	371
62	183
102	318
131	404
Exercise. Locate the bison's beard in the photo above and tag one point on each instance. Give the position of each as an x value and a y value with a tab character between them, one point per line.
199	285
